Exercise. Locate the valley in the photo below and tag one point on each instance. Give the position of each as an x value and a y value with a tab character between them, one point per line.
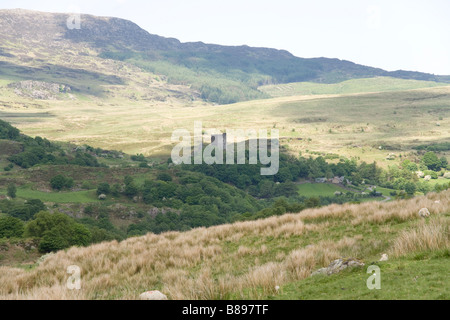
87	179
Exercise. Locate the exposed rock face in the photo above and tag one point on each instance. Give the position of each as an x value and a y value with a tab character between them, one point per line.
153	295
424	212
338	265
44	257
39	89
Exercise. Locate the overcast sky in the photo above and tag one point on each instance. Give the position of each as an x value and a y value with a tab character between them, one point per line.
390	34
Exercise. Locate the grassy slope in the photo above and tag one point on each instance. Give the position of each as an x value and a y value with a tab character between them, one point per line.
119	106
378	84
319	189
349	125
248	259
85	196
418	277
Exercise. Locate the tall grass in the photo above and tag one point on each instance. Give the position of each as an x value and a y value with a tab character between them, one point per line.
242	260
432	236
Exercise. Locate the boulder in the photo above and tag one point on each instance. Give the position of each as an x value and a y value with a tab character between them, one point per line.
153	295
427	178
44	257
447	175
102	197
424	212
338	265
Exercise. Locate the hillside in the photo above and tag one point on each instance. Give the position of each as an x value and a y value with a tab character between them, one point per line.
87	178
369	85
115	86
221	74
104	195
348	125
247	260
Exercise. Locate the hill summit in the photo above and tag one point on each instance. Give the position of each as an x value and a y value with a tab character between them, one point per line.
223	74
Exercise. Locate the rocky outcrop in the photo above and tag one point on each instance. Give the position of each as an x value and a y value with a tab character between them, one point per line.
40	90
338	265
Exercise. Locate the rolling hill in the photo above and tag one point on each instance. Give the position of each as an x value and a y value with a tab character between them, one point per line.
222	74
103	191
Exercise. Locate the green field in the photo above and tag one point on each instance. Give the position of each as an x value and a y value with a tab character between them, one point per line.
86	196
347	125
377	84
319	189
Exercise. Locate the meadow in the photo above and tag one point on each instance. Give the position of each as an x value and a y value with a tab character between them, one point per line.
368	126
85	196
365	85
319	189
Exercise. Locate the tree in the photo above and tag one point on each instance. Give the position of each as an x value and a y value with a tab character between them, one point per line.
11	227
11	192
283	175
103	188
408	165
59	182
131	190
57	231
164	176
431	161
444	162
53	240
410	187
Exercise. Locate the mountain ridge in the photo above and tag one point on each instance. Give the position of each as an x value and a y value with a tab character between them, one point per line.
222	74
155	41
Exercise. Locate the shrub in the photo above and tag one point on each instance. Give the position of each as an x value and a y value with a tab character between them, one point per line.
103	188
11	227
431	161
143	165
25	211
87	185
164	176
433	174
138	157
116	190
60	182
131	190
11	191
57	231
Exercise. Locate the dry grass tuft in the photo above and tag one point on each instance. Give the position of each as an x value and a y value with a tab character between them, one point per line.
428	236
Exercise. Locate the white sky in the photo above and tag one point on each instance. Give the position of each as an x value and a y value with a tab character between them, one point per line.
390	34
